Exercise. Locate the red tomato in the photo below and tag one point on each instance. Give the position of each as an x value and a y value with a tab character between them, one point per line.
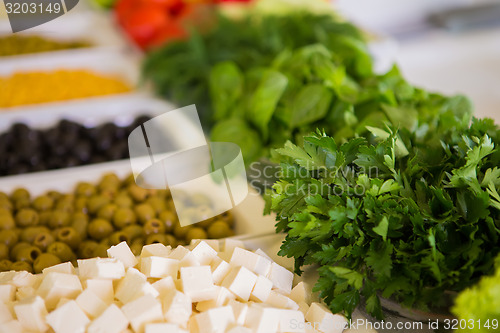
145	22
167	4
174	30
123	8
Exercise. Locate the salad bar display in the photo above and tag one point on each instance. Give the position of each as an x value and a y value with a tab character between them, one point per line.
384	198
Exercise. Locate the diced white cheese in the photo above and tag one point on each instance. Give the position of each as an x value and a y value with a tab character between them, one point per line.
254	262
103	288
230	244
214	243
12	326
91	304
189	260
31	313
57	285
6	312
239	329
281	301
123	253
141	311
204	253
324	320
291	321
155	249
101	268
281	277
263	254
223	295
159	267
261	290
299	293
220	269
68	318
177	307
197	283
162	328
65	267
262	319
179	253
240	281
112	320
24	292
133	286
215	320
19	278
303	307
62	301
7	292
239	310
164	286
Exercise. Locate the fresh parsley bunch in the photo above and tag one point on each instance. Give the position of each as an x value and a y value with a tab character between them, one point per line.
399	214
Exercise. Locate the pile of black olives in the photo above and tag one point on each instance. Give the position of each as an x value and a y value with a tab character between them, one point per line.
24	149
38	232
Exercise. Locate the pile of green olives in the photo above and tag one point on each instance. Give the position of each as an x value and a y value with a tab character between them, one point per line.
55	227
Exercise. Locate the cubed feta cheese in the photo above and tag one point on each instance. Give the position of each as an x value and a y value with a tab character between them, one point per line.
101	268
291	321
159	267
155	249
239	329
112	320
214	243
281	277
299	293
179	253
250	260
7	292
204	253
239	310
262	319
220	269
12	326
281	301
103	288
91	304
261	290
303	307
197	283
24	292
189	260
230	244
31	314
141	311
324	320
123	253
133	286
223	295
162	328
177	307
164	286
57	285
65	267
263	254
68	318
6	312
240	281
19	279
215	320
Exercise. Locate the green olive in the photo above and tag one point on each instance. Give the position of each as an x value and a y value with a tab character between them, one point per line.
195	233
28	254
107	211
133	231
69	236
86	249
227	217
6	204
59	218
80	224
219	229
43	240
44	217
4	251
16	248
21	266
7	221
123	201
128	180
85	189
28	235
154	226
190	215
171	240
157	203
27	217
169	219
66	203
124	217
144	212
100	251
137	245
81	204
43	203
137	193
110	178
118	237
156	238
45	260
54	195
9	237
3	196
199	200
20	193
61	250
99	229
96	202
22	203
180	232
5	265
